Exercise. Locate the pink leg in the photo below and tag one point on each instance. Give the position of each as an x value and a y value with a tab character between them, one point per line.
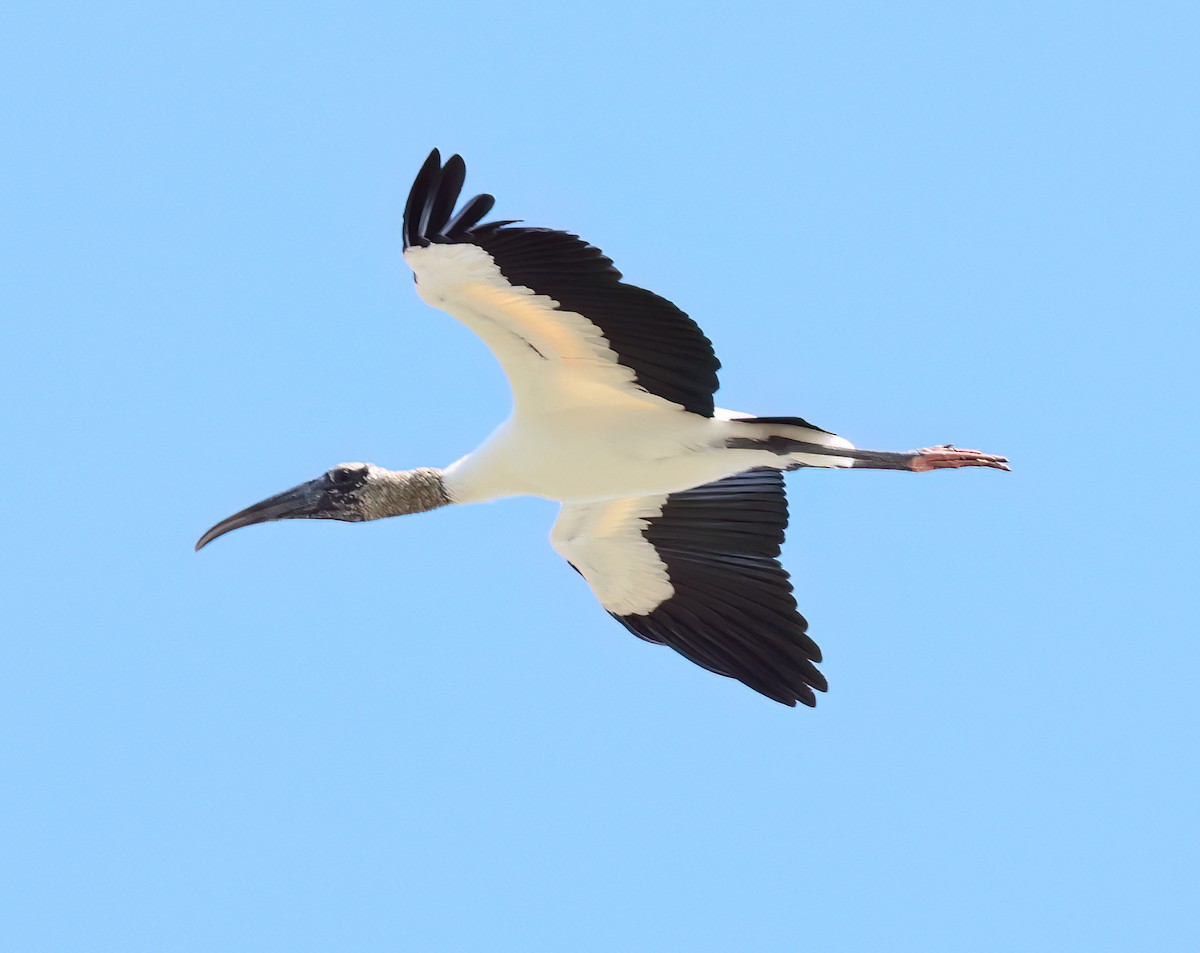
950	457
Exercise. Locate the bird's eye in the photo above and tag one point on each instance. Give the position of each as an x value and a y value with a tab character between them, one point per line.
341	476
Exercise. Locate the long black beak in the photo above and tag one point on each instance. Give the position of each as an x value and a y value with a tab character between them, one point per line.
307	501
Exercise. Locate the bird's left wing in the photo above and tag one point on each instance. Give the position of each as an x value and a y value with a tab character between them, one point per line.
551	307
697	570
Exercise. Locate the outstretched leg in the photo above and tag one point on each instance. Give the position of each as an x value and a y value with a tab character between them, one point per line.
928	458
806	446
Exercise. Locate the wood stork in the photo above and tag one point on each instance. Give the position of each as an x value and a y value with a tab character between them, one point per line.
673	510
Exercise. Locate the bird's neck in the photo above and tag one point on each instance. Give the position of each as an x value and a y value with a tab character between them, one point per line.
408	491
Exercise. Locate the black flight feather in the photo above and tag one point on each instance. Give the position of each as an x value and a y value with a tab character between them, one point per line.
732	611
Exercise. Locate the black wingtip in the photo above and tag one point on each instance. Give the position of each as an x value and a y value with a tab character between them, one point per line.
470	215
429	212
440	199
419	197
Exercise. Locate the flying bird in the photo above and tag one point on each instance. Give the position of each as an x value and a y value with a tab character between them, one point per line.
673	510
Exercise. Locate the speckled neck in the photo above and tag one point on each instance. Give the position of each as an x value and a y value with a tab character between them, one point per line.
407	491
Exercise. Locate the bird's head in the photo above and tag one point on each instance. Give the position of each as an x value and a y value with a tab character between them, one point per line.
351	492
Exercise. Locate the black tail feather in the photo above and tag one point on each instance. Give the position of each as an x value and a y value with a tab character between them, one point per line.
789	421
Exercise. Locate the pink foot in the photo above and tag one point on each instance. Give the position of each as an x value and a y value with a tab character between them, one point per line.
950	457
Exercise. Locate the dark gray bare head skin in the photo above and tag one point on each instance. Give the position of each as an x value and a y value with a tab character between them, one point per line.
352	492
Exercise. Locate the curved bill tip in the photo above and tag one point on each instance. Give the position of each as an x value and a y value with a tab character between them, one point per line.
209	536
300	502
226	526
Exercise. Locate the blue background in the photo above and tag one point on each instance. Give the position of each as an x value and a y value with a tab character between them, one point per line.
911	223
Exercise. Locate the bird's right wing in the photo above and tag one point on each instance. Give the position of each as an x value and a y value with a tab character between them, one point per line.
551	307
697	570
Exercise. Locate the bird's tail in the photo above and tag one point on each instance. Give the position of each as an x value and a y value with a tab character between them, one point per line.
793	439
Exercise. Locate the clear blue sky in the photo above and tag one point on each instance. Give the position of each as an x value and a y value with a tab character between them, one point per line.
911	223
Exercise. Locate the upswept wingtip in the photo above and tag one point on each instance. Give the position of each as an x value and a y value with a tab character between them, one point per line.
418	196
429	212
